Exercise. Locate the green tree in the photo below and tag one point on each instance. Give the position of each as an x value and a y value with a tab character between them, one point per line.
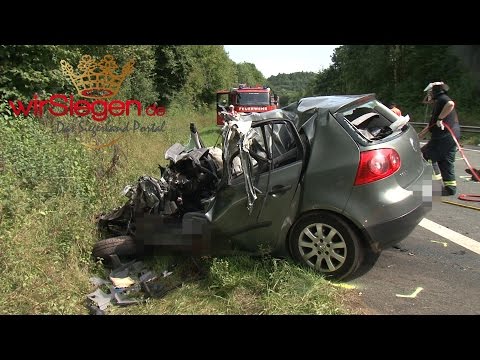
248	73
400	73
211	70
29	69
291	87
173	65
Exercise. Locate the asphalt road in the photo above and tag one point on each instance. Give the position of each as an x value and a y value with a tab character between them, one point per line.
428	273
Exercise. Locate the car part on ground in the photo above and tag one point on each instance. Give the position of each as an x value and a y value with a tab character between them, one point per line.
330	181
132	282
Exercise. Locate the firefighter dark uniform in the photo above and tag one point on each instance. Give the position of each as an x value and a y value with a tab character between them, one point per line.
441	148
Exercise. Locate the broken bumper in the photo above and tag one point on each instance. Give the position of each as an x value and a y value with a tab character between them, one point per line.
391	232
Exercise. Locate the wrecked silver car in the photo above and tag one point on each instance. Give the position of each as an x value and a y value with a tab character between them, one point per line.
328	181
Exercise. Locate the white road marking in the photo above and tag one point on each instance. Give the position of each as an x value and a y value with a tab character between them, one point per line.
412	295
474	150
440	242
451	235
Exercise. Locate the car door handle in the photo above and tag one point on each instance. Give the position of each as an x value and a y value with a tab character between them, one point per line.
279	189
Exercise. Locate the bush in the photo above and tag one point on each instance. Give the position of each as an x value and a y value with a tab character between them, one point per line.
40	163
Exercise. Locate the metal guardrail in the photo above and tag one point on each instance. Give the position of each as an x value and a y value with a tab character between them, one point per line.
463	128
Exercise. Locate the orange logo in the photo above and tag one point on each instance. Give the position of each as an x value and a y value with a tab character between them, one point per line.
97	79
101	146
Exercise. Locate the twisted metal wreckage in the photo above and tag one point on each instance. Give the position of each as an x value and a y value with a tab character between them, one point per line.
156	209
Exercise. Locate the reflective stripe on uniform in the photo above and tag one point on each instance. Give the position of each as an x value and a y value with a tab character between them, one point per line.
450	183
437	177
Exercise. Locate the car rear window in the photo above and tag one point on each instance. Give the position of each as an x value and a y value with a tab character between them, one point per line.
373	120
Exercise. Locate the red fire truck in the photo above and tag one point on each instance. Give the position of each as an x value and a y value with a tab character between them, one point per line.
246	100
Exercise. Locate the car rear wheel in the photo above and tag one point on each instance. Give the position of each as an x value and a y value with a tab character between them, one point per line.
326	243
119	245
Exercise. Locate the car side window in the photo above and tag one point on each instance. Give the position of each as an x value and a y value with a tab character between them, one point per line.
281	144
270	143
258	154
258	151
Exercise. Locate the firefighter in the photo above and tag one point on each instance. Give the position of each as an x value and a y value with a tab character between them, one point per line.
441	148
231	110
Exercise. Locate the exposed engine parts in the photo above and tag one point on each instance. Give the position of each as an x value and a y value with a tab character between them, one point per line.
191	177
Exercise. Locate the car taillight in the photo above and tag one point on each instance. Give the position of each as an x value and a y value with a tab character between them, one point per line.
376	164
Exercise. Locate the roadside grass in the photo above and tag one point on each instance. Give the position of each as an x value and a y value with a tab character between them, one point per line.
243	285
51	188
45	259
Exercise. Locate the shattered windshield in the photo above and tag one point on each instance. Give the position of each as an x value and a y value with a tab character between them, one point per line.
253	98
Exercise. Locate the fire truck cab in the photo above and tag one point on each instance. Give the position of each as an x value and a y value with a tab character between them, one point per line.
246	100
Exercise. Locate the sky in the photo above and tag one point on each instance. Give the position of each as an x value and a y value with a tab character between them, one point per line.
275	59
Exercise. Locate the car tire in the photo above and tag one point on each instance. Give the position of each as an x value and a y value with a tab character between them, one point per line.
119	245
336	253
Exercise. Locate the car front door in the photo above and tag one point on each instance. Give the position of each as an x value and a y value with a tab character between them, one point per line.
277	160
